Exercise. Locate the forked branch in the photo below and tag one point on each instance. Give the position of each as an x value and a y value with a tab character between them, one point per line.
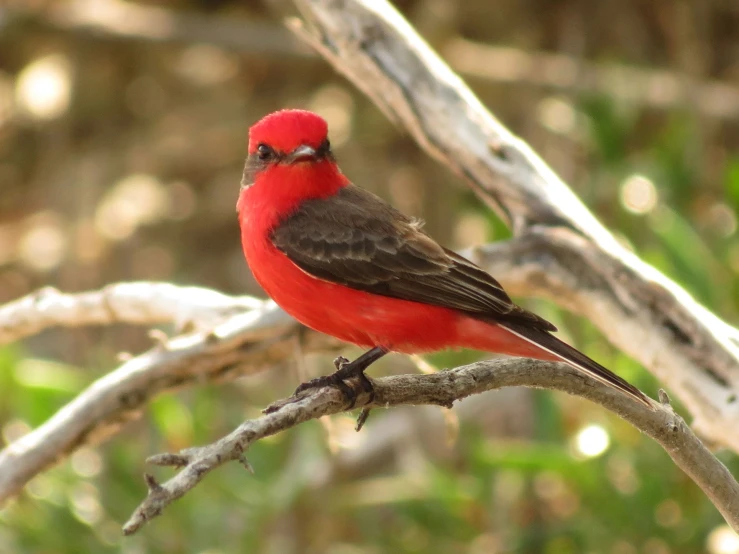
443	389
641	311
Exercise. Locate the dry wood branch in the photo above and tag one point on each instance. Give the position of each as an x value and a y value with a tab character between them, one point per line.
246	343
442	389
138	303
257	339
639	309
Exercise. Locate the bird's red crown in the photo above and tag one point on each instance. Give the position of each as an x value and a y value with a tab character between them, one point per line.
287	129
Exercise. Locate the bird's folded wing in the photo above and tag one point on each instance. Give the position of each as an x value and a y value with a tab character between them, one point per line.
355	239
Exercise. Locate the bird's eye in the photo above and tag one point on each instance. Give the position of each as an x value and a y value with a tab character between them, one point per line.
264	152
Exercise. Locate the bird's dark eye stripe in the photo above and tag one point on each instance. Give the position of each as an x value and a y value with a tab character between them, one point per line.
266	154
324	149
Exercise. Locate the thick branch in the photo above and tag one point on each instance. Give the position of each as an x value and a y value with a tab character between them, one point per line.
640	310
258	339
139	303
442	389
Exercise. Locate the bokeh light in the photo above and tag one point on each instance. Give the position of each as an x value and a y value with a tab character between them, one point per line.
86	462
723	540
84	498
14	430
44	243
43	89
206	65
622	474
722	219
638	194
558	115
668	513
336	106
591	441
135	200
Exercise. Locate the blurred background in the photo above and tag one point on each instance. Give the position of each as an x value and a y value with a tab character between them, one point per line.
123	129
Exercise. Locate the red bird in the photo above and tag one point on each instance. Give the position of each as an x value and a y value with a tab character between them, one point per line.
343	262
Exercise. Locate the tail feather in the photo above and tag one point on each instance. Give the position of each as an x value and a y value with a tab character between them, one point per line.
575	358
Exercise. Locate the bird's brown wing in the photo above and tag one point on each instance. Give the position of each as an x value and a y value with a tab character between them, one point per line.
356	239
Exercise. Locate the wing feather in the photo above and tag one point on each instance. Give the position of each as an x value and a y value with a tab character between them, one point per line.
356	239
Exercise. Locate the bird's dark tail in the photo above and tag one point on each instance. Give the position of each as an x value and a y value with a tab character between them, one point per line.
575	358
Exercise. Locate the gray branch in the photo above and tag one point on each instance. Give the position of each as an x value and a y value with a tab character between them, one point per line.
641	311
443	389
137	303
260	338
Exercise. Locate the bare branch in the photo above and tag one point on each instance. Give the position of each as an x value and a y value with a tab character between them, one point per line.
139	303
640	310
246	343
442	389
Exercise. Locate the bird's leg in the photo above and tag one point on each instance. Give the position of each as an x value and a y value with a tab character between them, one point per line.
346	370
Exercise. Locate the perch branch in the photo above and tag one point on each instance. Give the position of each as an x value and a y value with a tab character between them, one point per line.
443	389
640	310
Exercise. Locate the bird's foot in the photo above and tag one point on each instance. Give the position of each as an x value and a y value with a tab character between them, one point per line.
344	370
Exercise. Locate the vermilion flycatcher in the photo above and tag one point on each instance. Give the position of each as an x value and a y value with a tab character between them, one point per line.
342	261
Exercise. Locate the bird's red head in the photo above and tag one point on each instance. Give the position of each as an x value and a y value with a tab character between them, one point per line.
289	161
286	145
287	130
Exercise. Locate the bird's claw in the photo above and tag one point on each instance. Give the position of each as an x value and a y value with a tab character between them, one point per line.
332	380
344	370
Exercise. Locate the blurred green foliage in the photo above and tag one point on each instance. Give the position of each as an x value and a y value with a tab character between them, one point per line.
163	125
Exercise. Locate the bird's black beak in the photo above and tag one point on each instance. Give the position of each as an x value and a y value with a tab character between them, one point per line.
302	153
